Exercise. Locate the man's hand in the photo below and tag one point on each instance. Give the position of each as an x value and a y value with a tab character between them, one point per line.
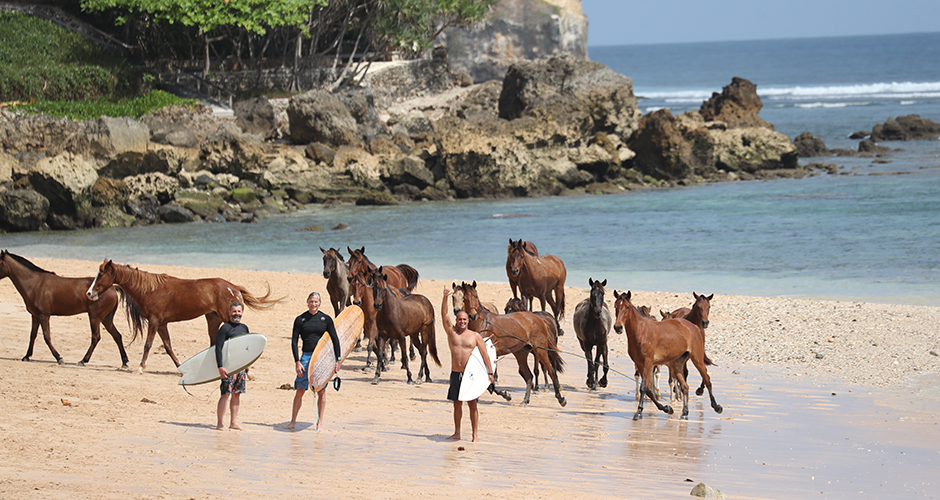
299	368
447	292
223	372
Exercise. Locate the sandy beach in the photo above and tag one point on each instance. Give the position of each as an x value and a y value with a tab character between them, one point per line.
832	398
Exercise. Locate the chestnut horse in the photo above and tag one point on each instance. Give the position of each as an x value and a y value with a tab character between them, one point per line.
518	334
554	331
539	277
46	294
591	325
400	276
337	284
671	342
365	299
698	316
400	317
159	299
514	279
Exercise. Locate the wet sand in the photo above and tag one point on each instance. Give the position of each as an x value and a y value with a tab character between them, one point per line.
860	422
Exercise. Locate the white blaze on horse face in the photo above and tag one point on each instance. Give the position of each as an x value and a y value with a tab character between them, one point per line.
91	290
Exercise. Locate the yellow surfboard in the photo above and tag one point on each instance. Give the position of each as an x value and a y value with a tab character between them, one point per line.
348	327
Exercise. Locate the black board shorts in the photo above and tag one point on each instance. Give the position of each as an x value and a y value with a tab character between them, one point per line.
454	392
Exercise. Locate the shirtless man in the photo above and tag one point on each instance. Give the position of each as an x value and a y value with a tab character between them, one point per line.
462	341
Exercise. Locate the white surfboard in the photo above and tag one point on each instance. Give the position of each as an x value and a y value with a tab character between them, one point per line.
238	353
475	377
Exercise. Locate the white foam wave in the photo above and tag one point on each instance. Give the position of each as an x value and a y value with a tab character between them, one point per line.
907	103
892	90
829	105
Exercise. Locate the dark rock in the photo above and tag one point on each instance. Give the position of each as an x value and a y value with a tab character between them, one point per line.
230	151
661	150
173	214
376	198
737	105
409	170
180	139
340	227
361	105
868	146
315	228
810	146
256	116
320	153
107	191
144	208
906	128
23	210
317	116
861	134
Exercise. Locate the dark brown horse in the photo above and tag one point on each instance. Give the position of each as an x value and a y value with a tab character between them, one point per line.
539	277
591	325
363	297
671	342
400	276
159	299
46	294
518	334
514	278
401	317
554	331
337	284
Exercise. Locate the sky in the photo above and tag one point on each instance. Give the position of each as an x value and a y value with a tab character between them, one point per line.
631	22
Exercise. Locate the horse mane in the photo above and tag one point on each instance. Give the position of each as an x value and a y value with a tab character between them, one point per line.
29	265
142	280
336	253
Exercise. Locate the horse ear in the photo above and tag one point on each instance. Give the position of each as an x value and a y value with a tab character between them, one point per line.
474	284
453	285
694	295
590	282
709	298
349	250
604	283
628	295
363	249
322	250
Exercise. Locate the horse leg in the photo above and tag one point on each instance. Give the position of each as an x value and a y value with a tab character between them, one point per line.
47	336
32	338
165	337
392	345
603	381
521	359
648	372
151	333
677	373
535	371
411	351
379	358
404	362
550	371
590	367
424	373
699	362
95	337
108	322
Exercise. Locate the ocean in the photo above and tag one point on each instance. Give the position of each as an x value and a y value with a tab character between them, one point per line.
870	233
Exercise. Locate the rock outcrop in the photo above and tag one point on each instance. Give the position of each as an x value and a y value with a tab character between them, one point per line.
517	31
906	128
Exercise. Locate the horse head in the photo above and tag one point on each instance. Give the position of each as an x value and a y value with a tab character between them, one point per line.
597	296
103	280
514	305
379	283
516	257
702	305
622	304
331	259
457	297
471	300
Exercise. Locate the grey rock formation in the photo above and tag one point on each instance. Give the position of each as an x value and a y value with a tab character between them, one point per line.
256	116
906	128
516	31
810	146
318	116
62	179
173	214
22	210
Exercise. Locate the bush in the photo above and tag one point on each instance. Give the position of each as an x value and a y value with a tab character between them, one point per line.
88	110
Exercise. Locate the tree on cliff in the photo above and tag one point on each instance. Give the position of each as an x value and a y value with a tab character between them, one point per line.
341	37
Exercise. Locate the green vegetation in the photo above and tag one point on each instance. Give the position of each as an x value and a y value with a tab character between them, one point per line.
87	110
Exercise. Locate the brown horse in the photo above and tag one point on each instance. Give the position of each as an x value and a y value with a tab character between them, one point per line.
554	331
698	316
514	279
400	276
46	294
363	297
591	325
650	343
539	277
337	284
400	317
159	299
518	334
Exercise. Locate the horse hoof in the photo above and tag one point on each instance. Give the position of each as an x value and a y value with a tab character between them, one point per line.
602	383
563	402
699	391
684	417
637	416
375	381
411	382
719	409
124	366
59	361
81	363
413	357
668	409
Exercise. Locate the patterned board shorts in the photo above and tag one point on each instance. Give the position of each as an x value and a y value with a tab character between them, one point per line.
234	383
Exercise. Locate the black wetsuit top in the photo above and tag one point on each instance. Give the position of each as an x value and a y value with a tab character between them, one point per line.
309	328
228	330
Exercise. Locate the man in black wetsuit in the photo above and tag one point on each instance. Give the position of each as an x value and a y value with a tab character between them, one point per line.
232	384
309	328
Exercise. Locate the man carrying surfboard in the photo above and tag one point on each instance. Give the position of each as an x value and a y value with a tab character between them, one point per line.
308	329
232	386
462	342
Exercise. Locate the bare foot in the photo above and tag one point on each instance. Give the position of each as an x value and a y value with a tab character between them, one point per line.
475	439
455	437
220	427
290	426
235	427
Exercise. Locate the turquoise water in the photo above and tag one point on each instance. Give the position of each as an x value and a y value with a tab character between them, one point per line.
859	236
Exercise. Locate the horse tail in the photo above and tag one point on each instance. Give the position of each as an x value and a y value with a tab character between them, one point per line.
134	317
558	363
708	361
259	303
560	297
411	275
432	344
